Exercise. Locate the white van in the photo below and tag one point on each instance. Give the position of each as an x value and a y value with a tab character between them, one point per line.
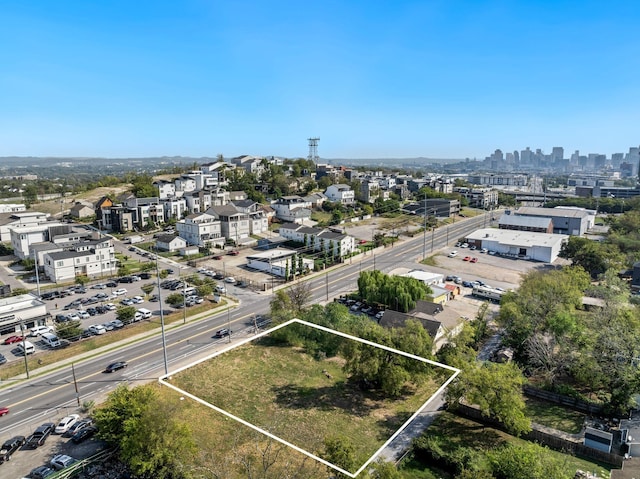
189	291
145	313
51	340
26	347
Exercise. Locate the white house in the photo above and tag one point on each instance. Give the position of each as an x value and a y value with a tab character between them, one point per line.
337	244
27	218
22	237
340	193
234	223
201	229
519	244
292	209
170	243
95	258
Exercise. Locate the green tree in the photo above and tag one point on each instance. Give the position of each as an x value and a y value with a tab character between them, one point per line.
338	450
69	330
591	255
204	290
497	390
126	314
148	288
174	299
81	280
526	461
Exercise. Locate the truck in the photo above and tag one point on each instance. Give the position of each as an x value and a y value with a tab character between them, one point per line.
40	435
9	447
134	239
485	292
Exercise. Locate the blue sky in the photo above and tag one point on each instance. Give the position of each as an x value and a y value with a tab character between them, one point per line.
372	79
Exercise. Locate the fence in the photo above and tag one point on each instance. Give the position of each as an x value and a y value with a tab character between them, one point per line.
552	441
573	403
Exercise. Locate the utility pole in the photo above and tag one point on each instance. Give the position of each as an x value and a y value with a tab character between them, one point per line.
326	284
164	339
35	259
24	347
75	383
184	301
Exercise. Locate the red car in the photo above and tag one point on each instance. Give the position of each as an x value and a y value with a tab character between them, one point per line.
4	411
466	258
217	256
474	260
13	339
233	253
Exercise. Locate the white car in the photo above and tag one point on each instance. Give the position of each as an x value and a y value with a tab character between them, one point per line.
60	461
97	329
230	279
137	299
453	254
110	306
99	286
65	423
74	317
221	289
83	315
120	291
38	330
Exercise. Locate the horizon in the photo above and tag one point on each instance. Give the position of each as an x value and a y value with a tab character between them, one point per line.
372	80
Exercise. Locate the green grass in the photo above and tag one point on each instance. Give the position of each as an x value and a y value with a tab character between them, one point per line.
555	416
284	390
321	217
430	261
457	432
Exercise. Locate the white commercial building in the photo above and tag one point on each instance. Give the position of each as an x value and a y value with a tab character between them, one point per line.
519	244
23	308
277	261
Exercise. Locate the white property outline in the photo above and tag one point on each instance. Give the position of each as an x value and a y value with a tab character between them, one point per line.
167	377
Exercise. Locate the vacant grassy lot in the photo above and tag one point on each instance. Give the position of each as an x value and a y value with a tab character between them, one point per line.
457	432
555	416
286	391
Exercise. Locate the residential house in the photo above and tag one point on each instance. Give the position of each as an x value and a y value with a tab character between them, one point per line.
27	218
82	210
22	237
340	193
166	189
174	208
316	200
235	224
93	258
170	243
102	208
258	221
12	207
201	229
293	209
336	244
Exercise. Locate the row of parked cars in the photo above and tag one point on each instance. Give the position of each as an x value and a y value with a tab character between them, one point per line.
361	307
72	426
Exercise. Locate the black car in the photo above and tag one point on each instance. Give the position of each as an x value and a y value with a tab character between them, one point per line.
223	332
10	446
144	275
92	311
115	366
100	309
125	279
112	284
40	472
78	426
40	435
219	275
83	434
169	271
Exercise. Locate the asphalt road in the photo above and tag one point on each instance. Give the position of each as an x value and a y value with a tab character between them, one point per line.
52	395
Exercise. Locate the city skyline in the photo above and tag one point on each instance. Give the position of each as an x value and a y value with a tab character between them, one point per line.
370	79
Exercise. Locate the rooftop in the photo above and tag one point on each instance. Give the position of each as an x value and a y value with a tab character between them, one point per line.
517	238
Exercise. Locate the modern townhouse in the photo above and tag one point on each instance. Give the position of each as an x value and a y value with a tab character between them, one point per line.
93	258
340	193
201	229
292	209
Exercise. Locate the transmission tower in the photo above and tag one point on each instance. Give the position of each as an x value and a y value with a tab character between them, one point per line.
313	150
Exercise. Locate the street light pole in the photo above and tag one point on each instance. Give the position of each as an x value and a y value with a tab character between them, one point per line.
24	347
75	383
164	340
35	259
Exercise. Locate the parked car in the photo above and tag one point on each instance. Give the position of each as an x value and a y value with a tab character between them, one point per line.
111	284
137	299
92	311
233	252
127	302
154	298
99	286
117	323
120	291
83	434
60	461
10	446
473	260
12	339
38	330
466	258
81	424
40	435
97	329
73	317
2	359
453	254
115	366
65	423
108	326
145	275
40	472
221	289
83	314
110	307
223	332
230	280
169	271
